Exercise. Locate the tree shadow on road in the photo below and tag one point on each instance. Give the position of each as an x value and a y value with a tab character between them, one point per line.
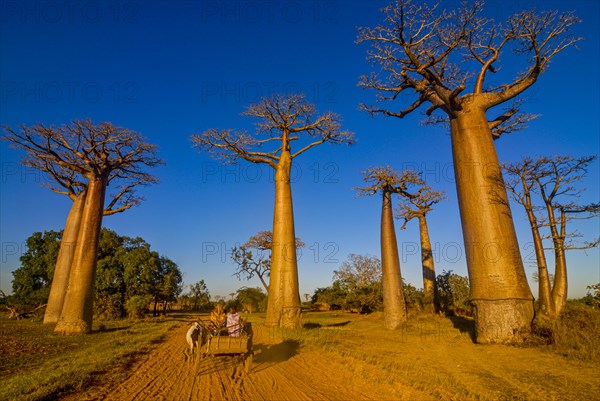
274	353
216	363
268	355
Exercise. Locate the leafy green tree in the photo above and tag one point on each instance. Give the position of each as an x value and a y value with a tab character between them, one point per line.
592	297
199	294
169	283
126	267
361	277
415	297
252	299
334	296
110	287
453	292
136	306
31	282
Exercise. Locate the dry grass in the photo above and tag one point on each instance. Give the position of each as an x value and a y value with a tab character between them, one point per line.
575	335
38	364
434	357
431	357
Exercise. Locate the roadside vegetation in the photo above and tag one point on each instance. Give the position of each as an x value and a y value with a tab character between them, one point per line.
38	364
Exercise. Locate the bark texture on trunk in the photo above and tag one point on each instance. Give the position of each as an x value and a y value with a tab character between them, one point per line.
394	306
499	289
76	316
283	305
64	261
429	284
559	290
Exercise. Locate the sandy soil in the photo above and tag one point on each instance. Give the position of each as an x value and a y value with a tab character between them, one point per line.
278	372
423	367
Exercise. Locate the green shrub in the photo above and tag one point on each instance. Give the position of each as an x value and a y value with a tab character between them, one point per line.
136	306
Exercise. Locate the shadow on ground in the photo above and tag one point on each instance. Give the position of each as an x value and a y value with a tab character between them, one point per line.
311	325
275	353
102	329
465	325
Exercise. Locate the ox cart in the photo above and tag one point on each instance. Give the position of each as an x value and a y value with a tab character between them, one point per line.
221	344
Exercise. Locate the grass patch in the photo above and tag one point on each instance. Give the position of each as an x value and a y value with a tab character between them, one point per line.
38	364
574	335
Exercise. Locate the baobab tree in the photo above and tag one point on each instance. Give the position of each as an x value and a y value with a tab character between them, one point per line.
418	199
552	180
436	54
83	158
388	182
66	182
281	121
258	262
520	184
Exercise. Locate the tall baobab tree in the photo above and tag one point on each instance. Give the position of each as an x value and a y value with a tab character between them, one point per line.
67	182
418	199
76	191
437	53
387	181
256	263
552	179
83	158
281	121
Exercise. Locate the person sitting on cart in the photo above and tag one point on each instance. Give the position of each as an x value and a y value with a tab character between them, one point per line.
234	322
217	319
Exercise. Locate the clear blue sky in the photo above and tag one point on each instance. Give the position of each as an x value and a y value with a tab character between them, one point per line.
170	69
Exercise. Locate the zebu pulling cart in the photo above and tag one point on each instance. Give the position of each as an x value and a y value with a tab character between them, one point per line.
220	344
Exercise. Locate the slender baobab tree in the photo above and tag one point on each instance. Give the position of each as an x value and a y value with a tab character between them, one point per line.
281	122
257	263
83	158
557	174
437	53
418	199
551	179
520	184
388	182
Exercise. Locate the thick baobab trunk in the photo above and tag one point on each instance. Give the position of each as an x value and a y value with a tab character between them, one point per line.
283	307
545	302
77	313
559	290
64	261
500	293
429	285
394	306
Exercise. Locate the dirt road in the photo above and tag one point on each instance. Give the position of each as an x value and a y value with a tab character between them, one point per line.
279	372
354	361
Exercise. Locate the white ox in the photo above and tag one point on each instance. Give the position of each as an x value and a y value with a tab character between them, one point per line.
195	333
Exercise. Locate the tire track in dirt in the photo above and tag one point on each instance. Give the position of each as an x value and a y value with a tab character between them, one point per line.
280	372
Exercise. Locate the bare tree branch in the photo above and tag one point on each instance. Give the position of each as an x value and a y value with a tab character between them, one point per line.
418	47
279	121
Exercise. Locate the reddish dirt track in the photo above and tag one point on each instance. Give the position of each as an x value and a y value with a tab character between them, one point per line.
278	373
